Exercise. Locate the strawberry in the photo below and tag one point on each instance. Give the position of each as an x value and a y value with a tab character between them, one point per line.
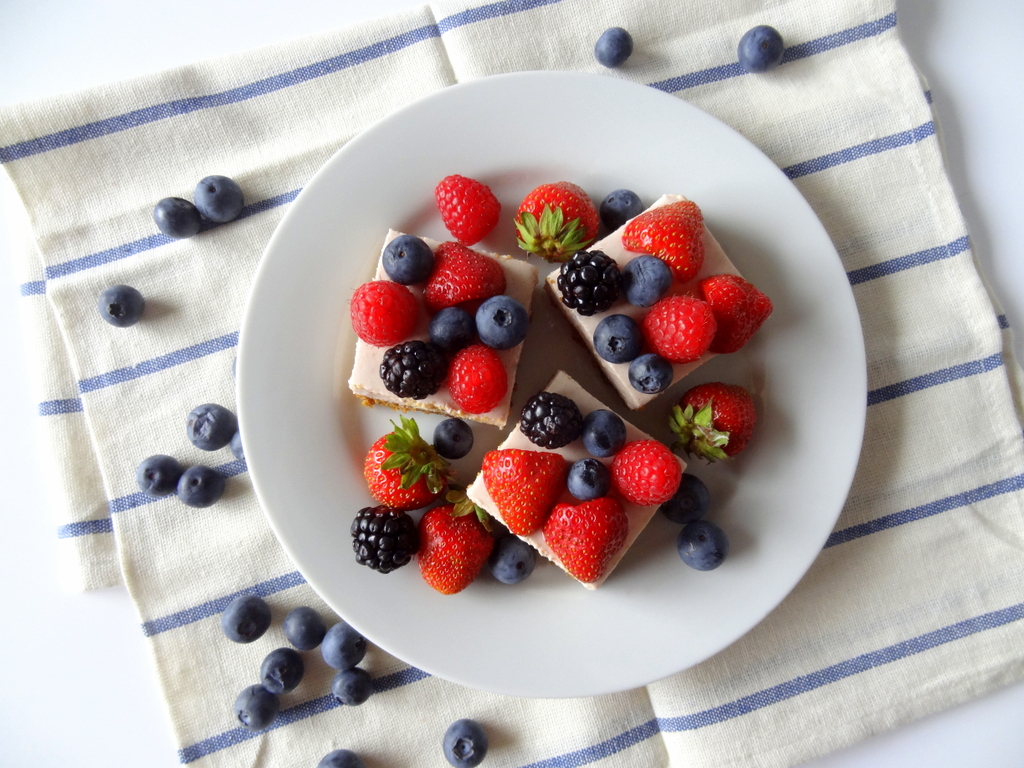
524	485
468	208
673	233
679	328
461	274
477	380
403	471
383	313
646	472
739	310
454	545
556	220
713	420
587	536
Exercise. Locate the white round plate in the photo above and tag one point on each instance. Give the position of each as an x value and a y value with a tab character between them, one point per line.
306	435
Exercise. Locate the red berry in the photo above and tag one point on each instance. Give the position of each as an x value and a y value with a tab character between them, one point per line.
586	537
646	472
524	485
453	549
415	475
714	420
680	328
674	233
477	379
383	313
556	220
461	274
739	310
468	208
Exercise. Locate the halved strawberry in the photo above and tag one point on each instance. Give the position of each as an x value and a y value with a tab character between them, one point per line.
739	310
556	220
461	274
454	545
674	233
403	471
713	420
524	485
586	537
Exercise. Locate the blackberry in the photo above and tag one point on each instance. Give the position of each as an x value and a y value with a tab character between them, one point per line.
414	369
383	538
589	282
551	420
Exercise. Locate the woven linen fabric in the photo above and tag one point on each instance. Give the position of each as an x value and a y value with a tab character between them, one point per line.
914	605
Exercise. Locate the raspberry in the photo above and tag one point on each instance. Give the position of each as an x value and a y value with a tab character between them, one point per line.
680	328
383	313
461	274
468	208
414	369
477	379
646	472
551	420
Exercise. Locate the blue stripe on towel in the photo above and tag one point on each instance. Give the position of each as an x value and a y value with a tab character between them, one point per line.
602	749
489	11
56	407
927	256
873	147
85	528
32	288
139	499
943	376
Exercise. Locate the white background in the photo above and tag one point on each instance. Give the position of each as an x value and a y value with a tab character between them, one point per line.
78	687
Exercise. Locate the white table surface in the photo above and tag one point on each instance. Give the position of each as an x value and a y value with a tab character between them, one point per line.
78	686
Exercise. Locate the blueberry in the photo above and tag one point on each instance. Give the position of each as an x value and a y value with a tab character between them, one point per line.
452	329
341	758
760	49
304	628
352	686
281	670
177	218
465	743
200	486
646	279
618	339
342	646
650	374
211	426
702	545
619	207
604	433
512	559
408	260
588	479
218	198
256	707
502	322
689	503
453	438
121	305
236	446
613	47
245	619
158	475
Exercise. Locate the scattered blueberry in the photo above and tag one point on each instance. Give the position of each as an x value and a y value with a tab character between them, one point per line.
281	670
352	686
158	475
121	305
236	446
200	486
341	758
211	426
245	619
613	47
342	646
689	503
256	707
650	374
618	339
646	279
604	433
452	329
512	559
177	218
619	207
588	479
304	628
407	260
702	545
760	49
453	438
502	322
465	743
218	198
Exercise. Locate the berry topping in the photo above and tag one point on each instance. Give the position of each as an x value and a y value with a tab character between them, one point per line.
383	313
218	199
524	486
407	260
304	628
589	282
613	47
453	438
256	707
468	208
158	475
556	220
477	379
760	49
465	744
461	274
588	479
383	538
210	427
650	374
245	619
121	305
177	217
586	537
343	647
713	420
551	420
646	472
618	339
282	670
414	369
403	471
739	310
689	503
454	546
512	560
200	486
604	433
452	329
702	545
502	322
645	279
619	207
673	233
680	328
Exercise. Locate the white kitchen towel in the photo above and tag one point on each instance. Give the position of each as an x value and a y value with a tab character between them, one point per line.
916	602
